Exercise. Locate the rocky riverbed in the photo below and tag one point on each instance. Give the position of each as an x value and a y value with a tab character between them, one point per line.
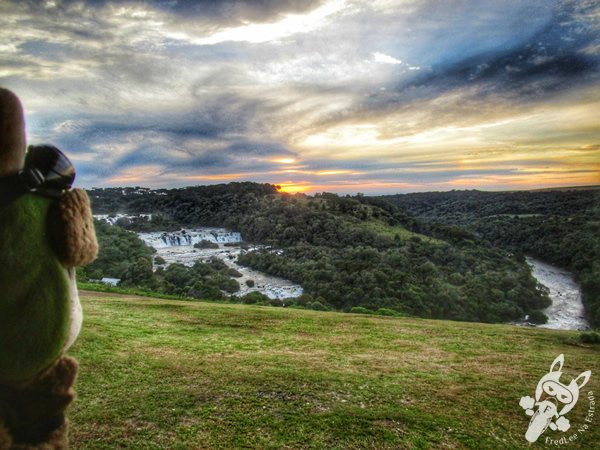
178	247
566	311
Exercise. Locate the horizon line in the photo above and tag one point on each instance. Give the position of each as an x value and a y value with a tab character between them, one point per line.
585	187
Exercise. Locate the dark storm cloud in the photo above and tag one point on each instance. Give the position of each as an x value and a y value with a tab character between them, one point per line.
551	60
540	67
237	12
221	12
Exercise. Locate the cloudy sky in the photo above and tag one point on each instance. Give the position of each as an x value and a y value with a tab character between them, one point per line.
373	96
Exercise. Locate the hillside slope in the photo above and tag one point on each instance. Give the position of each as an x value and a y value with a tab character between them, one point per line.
561	227
174	374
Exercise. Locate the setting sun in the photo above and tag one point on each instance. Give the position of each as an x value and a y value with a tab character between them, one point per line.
284	160
290	188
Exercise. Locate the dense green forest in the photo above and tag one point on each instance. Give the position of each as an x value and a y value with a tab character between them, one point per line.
346	252
561	227
119	250
461	207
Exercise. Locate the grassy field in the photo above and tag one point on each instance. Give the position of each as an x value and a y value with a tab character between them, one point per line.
401	232
175	374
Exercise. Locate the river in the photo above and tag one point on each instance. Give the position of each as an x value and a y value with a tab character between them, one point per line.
178	247
566	311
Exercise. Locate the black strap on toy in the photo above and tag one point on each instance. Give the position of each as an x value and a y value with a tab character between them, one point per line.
47	172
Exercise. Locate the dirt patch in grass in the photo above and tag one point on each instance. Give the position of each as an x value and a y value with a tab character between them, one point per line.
160	352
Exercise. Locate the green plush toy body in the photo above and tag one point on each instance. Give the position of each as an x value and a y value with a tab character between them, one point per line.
42	240
36	304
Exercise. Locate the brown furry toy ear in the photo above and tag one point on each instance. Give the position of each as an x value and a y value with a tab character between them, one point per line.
12	133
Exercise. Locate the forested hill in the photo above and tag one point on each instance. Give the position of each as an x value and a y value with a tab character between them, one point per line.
214	205
347	252
560	226
462	207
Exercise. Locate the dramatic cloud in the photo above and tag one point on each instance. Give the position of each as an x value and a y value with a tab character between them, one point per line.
337	95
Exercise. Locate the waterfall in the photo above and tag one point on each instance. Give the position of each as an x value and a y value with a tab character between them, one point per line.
190	237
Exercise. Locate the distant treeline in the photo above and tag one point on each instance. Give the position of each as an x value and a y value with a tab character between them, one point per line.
462	207
561	227
348	251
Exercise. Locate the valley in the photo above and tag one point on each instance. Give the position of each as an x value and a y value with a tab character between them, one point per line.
431	256
565	313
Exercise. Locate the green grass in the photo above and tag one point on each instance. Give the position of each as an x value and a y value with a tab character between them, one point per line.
175	374
393	231
111	289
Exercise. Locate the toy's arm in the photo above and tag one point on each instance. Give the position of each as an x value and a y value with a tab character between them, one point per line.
73	229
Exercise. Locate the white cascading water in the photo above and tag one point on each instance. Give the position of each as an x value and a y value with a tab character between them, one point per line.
190	237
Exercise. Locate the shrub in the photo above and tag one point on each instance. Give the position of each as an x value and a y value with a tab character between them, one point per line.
254	297
159	260
202	291
386	312
217	264
95	275
228	285
590	338
234	273
317	306
360	310
276	302
205	244
304	300
537	317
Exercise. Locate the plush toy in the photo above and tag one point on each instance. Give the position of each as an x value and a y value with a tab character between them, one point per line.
46	230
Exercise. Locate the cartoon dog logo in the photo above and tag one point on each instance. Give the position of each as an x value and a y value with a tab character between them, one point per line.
553	400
